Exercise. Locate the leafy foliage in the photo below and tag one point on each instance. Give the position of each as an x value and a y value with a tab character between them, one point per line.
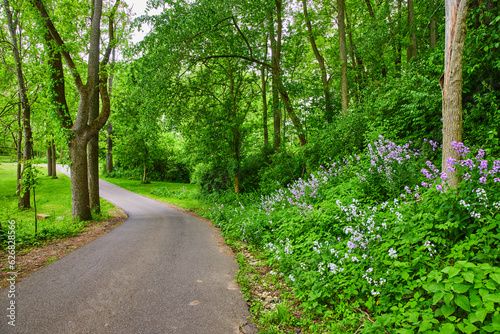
413	257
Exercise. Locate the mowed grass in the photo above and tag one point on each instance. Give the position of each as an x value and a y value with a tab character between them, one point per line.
183	195
53	198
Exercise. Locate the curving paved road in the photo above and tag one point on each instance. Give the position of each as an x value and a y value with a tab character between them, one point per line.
161	271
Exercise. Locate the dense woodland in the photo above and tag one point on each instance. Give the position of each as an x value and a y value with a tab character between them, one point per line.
353	141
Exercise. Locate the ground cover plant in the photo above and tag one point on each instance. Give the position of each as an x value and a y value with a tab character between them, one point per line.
53	198
377	242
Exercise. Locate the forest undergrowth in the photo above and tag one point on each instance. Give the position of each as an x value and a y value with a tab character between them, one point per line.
377	242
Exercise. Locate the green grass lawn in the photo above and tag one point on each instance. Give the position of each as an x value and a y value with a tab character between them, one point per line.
183	195
53	198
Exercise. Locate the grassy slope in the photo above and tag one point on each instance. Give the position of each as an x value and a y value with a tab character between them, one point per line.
53	197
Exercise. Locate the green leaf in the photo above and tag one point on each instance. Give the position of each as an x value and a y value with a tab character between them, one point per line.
483	292
448	297
465	264
493	328
485	266
490	285
460	288
495	277
475	300
468	276
447	329
435	287
437	297
478	316
462	301
451	271
494	297
413	317
447	310
467	328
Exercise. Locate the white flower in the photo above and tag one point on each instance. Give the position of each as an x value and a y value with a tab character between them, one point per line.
393	253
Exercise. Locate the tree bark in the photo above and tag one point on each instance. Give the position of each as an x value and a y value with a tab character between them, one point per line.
433	29
321	63
109	141
109	153
343	55
398	60
79	179
24	199
370	8
264	105
412	47
49	159
456	27
275	69
19	153
357	75
54	160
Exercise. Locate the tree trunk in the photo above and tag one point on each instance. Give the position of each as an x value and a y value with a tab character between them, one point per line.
54	160
144	170
79	179
19	153
456	27
397	61
295	120
93	146
321	63
49	159
353	58
412	47
93	162
343	55
433	29
275	64
109	153
109	141
24	199
370	8
264	105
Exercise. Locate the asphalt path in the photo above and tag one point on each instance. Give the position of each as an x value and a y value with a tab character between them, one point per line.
161	271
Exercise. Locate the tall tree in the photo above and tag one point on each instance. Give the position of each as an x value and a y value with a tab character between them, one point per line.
412	47
109	139
343	55
321	64
81	130
24	199
455	32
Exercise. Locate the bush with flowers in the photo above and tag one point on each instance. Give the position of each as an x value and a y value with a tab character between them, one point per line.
377	242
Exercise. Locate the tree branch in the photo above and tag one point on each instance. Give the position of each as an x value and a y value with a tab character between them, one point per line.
112	41
236	56
38	4
243	36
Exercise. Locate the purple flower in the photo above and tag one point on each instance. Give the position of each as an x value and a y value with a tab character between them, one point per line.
480	154
482	179
439	187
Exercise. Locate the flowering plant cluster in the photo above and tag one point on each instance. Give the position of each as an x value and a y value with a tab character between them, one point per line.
373	253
